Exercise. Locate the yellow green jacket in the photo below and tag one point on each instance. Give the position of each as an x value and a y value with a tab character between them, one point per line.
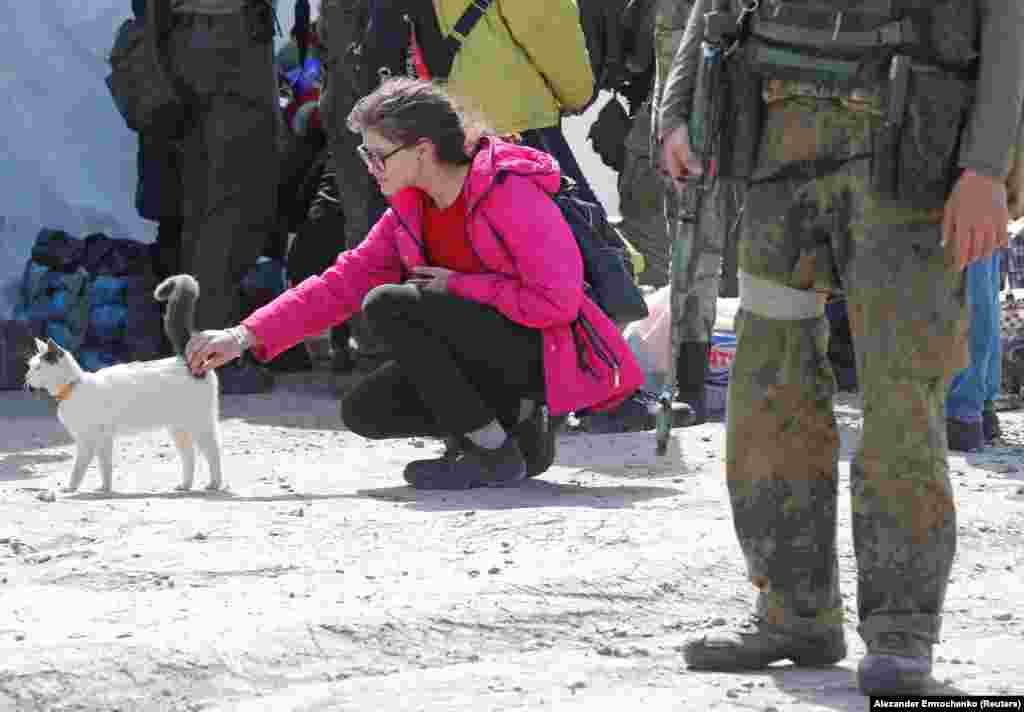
522	64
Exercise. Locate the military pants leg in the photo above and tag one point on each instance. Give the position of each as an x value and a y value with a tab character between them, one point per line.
341	24
802	237
641	191
230	159
694	310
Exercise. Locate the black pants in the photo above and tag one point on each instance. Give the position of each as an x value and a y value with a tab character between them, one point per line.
457	366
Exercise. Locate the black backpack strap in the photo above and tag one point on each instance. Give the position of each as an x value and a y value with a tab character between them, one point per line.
463	26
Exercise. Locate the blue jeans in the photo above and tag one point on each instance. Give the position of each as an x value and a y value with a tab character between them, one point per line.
982	380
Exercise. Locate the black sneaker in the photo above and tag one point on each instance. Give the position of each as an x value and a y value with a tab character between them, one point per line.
472	466
537	439
419	470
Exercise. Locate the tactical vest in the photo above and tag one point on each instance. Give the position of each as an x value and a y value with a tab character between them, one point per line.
917	57
852	42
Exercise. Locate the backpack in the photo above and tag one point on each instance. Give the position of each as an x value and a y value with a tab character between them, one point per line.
146	93
620	41
608	279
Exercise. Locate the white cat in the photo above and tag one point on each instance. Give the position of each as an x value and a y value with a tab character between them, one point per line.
136	397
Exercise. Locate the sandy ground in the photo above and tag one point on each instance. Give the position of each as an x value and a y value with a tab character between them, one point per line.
319	582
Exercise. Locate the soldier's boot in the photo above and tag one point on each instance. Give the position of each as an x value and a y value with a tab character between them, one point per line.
896	663
691	374
756	644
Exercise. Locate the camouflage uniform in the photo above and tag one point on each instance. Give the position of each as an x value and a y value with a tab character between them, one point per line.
649	206
694	310
340	27
804	235
229	150
642	190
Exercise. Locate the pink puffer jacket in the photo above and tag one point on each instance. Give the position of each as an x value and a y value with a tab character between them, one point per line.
535	278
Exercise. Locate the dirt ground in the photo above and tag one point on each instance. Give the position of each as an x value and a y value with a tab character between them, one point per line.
320	582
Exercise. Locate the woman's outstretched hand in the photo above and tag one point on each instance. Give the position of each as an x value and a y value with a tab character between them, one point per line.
211	349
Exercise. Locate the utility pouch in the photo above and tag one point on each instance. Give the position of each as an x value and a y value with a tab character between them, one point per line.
915	148
726	120
740	133
140	82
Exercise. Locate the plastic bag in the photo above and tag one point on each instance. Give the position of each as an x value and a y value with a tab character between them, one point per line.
649	339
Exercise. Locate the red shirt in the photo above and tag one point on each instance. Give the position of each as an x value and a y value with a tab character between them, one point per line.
446	240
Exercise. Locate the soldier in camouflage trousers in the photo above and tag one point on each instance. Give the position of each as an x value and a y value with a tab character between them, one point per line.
649	205
814	222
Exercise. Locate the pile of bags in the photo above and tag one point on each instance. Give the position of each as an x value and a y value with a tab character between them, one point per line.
93	296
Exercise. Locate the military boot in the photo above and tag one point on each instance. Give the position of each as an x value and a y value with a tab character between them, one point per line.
896	663
757	644
691	375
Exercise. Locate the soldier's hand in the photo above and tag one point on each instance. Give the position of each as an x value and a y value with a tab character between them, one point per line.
974	222
677	158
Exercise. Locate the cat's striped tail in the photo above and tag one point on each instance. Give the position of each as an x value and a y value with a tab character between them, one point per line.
181	293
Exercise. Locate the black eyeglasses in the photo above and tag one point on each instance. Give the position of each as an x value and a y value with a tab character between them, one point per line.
376	160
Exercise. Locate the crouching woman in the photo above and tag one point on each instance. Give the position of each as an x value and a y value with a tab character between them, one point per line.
473	280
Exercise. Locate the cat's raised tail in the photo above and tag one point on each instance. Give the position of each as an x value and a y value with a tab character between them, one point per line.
181	293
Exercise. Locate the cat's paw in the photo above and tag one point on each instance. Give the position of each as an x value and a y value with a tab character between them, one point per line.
103	489
68	489
183	487
216	487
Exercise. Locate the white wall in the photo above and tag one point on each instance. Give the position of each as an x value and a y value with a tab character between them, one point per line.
601	178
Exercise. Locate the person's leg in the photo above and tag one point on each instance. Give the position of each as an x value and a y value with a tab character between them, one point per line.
994	372
472	368
781	448
341	24
469	363
231	164
694	309
386	404
908	319
640	196
970	387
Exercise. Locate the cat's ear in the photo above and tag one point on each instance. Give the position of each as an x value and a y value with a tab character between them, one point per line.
40	346
53	351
